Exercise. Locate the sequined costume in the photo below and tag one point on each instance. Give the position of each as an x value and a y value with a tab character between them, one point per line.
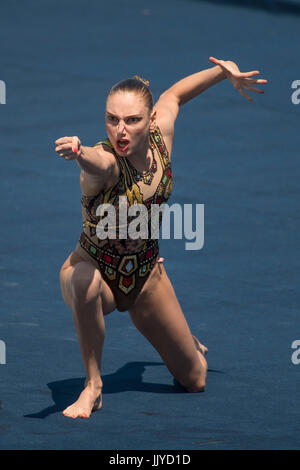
125	264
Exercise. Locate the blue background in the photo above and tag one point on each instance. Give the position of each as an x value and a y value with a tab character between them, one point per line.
240	293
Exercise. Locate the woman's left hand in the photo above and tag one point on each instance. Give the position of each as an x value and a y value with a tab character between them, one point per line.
240	81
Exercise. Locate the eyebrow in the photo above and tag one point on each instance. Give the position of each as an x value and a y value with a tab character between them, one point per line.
126	117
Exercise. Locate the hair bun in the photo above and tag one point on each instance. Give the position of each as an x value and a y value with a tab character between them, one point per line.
145	82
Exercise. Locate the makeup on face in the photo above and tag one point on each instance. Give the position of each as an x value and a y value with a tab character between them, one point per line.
126	122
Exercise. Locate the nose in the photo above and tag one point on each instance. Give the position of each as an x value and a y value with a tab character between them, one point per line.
121	126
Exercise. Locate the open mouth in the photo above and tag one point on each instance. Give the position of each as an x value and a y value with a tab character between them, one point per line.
123	144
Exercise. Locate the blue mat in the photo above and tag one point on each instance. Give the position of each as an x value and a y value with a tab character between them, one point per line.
240	293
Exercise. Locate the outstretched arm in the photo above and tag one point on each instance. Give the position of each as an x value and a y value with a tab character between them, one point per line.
191	86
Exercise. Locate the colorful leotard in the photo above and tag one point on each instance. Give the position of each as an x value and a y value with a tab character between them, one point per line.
125	264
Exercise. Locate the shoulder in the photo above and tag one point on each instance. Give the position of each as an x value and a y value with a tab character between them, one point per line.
106	151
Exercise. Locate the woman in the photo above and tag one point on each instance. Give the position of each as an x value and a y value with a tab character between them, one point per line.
122	272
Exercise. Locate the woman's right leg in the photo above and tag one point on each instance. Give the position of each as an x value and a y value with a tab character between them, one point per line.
89	298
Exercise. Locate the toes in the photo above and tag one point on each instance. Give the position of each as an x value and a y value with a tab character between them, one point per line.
82	409
76	414
69	414
200	347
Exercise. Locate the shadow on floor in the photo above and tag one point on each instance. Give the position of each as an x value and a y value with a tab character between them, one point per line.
127	378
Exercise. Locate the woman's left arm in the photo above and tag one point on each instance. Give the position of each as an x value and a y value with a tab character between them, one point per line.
167	107
191	86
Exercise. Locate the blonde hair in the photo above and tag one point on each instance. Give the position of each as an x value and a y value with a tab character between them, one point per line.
137	84
146	82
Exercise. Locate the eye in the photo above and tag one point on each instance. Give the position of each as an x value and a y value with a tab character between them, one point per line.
133	120
111	119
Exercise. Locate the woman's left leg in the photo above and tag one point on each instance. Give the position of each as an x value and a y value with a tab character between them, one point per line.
158	316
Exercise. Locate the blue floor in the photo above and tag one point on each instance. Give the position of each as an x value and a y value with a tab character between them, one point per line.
240	293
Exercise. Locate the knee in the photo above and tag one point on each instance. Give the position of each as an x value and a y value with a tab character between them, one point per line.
195	383
197	386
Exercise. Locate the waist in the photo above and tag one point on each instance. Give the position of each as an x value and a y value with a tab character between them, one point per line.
110	256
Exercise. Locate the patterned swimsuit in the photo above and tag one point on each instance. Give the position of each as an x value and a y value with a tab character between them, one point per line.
126	263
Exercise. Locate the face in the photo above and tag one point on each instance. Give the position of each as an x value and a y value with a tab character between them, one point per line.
128	121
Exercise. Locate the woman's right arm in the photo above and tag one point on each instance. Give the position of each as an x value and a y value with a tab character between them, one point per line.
98	166
92	160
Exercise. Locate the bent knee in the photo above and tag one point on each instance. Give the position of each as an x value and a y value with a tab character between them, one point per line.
196	383
196	387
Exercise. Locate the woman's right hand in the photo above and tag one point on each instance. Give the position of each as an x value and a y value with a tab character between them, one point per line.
68	147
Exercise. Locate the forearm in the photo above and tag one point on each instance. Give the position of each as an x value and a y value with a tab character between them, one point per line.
90	161
191	86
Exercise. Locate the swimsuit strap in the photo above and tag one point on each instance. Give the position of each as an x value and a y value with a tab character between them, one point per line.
159	143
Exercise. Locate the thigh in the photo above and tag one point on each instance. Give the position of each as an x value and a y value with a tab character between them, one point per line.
158	316
76	268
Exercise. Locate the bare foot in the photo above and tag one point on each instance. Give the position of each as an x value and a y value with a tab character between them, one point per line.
89	400
200	347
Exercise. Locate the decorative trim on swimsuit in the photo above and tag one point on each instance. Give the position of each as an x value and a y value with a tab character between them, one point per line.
126	268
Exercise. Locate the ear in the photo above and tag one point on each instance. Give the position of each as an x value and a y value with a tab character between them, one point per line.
153	120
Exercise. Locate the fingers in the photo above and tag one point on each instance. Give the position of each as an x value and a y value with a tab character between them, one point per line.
249	74
68	147
251	88
64	151
63	147
75	144
63	140
216	61
67	154
258	81
245	94
241	80
73	141
247	82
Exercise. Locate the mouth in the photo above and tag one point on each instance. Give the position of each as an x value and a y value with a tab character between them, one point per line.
122	144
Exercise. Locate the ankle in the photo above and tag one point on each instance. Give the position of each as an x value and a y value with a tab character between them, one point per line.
93	384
